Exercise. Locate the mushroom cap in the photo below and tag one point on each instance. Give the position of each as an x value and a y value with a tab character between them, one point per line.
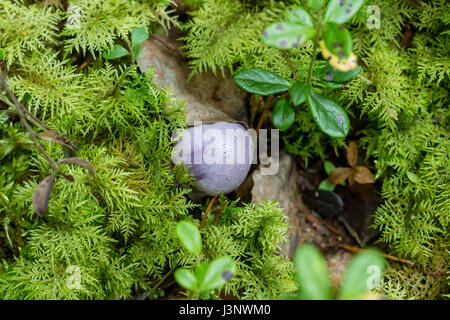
219	155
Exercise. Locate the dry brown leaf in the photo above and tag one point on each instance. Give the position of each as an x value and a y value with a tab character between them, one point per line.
352	154
79	162
362	175
55	137
42	195
338	175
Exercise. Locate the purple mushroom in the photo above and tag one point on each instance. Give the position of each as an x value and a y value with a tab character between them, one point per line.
219	155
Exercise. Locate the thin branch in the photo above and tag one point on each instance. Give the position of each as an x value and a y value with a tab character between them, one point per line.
211	203
21	110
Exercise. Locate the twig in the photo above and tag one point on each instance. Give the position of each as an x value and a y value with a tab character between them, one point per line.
85	63
211	203
314	52
21	110
220	211
261	119
390	257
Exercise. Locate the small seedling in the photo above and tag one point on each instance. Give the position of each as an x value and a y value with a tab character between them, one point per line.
138	36
363	274
206	276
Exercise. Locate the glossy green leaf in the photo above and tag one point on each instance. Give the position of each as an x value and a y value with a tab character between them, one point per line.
260	81
340	11
189	236
283	115
338	40
299	92
362	275
326	185
284	35
186	279
314	4
138	36
330	117
117	52
219	271
333	78
136	51
2	54
312	274
299	15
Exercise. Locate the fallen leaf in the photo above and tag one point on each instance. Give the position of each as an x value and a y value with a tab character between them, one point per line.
55	137
79	162
352	154
339	175
42	195
362	175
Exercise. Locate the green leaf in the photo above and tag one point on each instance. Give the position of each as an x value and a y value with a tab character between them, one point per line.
338	40
312	274
189	236
326	185
314	4
283	115
333	78
200	272
328	166
330	117
299	92
219	271
136	51
260	81
27	97
300	16
284	35
186	279
2	54
413	177
138	36
362	275
340	11
117	52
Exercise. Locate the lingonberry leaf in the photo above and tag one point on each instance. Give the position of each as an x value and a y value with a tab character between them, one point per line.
340	11
299	15
285	35
260	81
330	117
299	92
338	40
283	115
